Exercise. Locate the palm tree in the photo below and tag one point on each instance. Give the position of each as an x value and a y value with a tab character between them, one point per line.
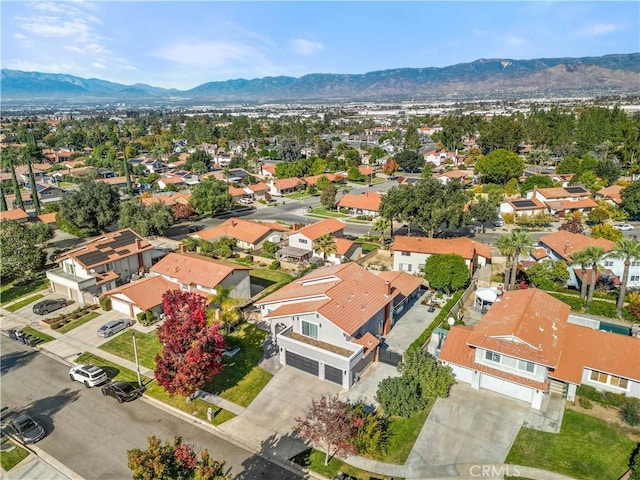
326	244
581	258
228	312
506	249
628	250
521	243
381	225
595	256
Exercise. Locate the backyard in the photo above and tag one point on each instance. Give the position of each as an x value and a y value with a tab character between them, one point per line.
269	280
15	289
586	448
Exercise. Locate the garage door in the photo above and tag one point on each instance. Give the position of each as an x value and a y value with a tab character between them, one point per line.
462	374
302	363
333	374
120	306
510	389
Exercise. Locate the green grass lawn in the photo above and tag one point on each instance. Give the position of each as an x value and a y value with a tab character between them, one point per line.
586	448
80	321
148	346
297	195
271	280
313	460
115	372
23	303
13	290
403	433
322	211
38	334
10	459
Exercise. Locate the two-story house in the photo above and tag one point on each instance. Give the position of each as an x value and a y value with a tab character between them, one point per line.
410	253
98	265
301	243
367	204
250	235
562	245
528	345
327	322
563	200
282	186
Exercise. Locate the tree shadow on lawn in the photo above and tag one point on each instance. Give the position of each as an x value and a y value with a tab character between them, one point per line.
257	466
250	340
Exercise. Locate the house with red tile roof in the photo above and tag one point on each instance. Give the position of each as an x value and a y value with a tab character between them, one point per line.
529	346
410	253
611	195
97	265
268	170
562	245
300	243
283	186
15	214
564	200
523	207
367	203
327	322
249	234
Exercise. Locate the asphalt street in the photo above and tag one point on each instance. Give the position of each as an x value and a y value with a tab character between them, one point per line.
90	433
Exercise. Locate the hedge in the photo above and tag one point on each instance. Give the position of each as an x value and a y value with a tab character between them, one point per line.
424	336
595	307
604	398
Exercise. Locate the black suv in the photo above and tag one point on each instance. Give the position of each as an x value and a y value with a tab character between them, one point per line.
48	306
121	391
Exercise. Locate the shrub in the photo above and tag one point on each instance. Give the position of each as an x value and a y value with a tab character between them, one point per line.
372	431
401	396
275	265
508	218
146	318
585	403
444	313
630	412
604	398
105	303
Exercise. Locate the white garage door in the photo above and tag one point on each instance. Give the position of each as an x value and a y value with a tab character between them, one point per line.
506	388
120	306
462	374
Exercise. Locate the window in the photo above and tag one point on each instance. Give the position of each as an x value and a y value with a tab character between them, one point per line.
634	278
492	356
70	268
635	263
526	366
303	240
608	263
405	267
607	379
405	254
310	329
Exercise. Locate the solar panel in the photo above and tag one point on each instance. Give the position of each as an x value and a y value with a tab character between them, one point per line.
93	257
524	203
575	190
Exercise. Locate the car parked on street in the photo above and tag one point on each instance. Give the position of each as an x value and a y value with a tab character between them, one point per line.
27	429
623	227
121	391
113	327
90	375
48	306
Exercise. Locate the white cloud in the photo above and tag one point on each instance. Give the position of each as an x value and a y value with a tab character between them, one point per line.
98	65
305	47
19	36
597	29
514	41
212	54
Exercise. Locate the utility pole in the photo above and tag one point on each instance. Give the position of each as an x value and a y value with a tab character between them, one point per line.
135	352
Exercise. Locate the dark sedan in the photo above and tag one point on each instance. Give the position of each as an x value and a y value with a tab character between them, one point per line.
48	306
27	429
121	391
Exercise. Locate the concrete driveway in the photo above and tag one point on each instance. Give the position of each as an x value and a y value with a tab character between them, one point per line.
469	427
27	314
409	326
267	423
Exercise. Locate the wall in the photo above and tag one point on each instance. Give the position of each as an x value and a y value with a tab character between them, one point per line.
297	240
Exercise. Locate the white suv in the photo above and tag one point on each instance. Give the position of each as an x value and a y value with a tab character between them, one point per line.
90	375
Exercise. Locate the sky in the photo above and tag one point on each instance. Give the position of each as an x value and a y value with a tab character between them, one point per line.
176	44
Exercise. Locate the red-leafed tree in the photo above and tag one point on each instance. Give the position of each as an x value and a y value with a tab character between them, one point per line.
331	425
182	212
191	349
390	167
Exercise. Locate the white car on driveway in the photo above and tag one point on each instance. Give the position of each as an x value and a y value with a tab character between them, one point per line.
90	375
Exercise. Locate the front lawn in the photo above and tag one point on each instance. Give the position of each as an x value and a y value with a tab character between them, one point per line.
23	303
323	212
13	290
115	372
313	460
80	321
10	459
43	337
403	433
148	347
586	448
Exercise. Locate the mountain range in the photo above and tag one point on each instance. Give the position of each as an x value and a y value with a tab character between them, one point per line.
481	79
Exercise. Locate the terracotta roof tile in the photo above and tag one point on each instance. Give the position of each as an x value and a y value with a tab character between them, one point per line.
244	230
14	214
571	205
48	217
462	246
110	246
539	253
258	187
365	201
565	243
194	269
343	245
287	183
368	341
145	293
328	225
613	192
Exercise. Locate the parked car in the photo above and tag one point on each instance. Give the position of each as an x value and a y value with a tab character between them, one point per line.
623	226
90	375
48	306
121	391
113	327
246	201
498	222
27	429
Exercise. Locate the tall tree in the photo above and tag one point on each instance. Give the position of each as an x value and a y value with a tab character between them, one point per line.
92	208
227	307
3	200
506	248
145	220
500	166
484	211
627	250
15	185
191	350
21	254
631	198
211	196
595	256
448	272
412	138
34	189
329	424
581	258
173	461
127	173
325	244
381	225
328	196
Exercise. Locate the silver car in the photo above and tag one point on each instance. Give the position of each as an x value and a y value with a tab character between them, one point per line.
113	327
27	429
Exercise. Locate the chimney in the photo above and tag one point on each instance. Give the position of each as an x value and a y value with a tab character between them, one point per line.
183	249
387	284
138	244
